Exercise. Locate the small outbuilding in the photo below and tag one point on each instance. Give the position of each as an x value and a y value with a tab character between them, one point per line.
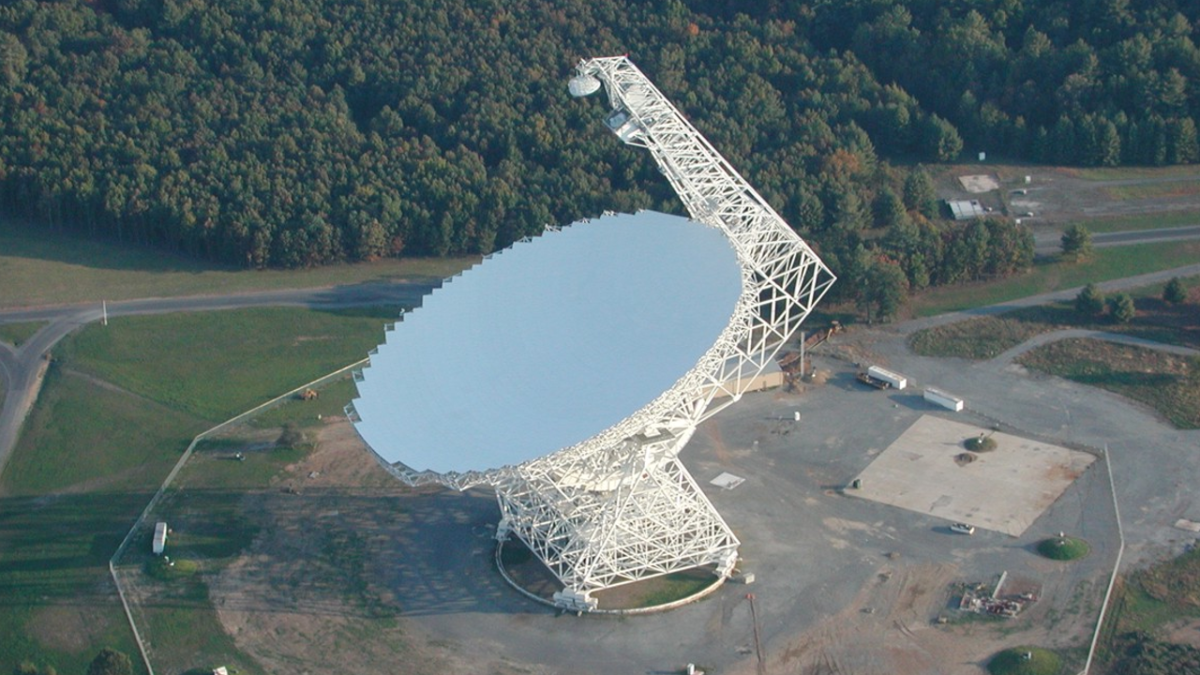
966	209
160	538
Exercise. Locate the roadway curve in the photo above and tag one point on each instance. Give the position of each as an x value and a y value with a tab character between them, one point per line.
1067	333
22	368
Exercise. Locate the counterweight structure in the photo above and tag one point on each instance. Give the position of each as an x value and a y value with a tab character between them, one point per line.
621	507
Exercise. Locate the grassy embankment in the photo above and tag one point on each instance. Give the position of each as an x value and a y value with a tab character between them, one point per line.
16	334
41	268
119	406
1149	604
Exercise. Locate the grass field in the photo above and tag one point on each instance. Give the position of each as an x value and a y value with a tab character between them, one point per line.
50	268
1167	383
1132	172
216	364
1148	222
119	406
1106	264
16	334
1180	188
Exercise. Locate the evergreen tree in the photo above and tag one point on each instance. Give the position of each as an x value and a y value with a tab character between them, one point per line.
1090	301
1121	308
110	662
1076	242
1175	292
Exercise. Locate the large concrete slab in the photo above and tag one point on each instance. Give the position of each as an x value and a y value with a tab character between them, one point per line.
1005	489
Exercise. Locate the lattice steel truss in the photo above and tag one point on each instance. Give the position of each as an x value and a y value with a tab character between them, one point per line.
620	507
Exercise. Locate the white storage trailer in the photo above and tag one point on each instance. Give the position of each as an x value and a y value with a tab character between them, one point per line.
895	380
160	538
939	397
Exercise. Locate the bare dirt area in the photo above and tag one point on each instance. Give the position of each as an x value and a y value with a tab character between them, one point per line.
891	627
303	598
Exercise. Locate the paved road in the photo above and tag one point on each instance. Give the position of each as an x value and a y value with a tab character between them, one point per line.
1111	286
21	368
1049	242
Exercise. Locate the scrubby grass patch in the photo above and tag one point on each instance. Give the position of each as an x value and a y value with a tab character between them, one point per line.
1025	661
1063	548
167	568
1168	383
16	334
982	338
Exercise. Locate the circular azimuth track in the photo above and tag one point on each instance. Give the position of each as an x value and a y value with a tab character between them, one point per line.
620	507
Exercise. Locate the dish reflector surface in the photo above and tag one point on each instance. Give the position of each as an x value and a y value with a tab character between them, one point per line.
548	343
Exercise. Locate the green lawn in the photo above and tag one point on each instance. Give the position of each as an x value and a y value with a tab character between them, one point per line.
216	364
81	436
1133	172
331	402
1155	221
118	407
47	268
16	334
1106	264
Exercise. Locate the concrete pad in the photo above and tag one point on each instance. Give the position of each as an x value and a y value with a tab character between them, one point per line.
979	183
1005	489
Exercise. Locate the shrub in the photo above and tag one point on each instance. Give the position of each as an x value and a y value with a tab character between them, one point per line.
1076	242
110	662
1025	661
1175	292
1090	301
1063	548
1121	308
980	443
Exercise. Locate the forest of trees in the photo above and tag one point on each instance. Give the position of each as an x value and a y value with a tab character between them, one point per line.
300	132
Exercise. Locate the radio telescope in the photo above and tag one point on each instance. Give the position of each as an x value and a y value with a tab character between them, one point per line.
568	371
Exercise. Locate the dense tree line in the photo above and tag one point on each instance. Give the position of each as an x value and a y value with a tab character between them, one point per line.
300	132
1091	82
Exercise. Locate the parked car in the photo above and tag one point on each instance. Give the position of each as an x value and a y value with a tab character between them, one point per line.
962	528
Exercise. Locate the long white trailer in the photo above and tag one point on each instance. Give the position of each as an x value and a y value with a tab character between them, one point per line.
946	400
896	380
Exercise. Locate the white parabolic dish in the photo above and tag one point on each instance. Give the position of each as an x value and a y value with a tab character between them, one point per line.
548	343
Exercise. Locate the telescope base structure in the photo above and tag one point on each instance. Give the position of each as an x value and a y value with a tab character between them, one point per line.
652	522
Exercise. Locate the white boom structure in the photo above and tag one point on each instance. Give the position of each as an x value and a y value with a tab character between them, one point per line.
620	506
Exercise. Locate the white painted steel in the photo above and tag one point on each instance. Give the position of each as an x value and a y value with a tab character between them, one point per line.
939	397
619	506
548	343
897	380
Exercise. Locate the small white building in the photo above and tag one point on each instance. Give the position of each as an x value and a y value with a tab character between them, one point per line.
947	401
160	538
